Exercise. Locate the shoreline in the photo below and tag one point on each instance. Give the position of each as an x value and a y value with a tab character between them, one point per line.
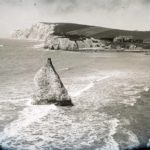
86	50
107	51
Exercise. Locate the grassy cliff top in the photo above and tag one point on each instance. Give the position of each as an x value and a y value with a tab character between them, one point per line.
96	32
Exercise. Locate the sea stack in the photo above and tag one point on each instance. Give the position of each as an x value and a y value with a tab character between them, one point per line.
49	88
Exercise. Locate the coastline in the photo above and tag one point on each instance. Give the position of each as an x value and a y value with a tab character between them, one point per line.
104	50
86	50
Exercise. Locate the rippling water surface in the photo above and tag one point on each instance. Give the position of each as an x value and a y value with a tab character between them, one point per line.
110	92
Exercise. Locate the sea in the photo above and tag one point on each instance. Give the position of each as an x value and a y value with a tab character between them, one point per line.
110	92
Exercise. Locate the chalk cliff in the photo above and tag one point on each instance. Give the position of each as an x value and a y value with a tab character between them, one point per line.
64	43
39	32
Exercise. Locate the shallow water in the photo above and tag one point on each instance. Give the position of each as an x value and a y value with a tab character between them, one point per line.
110	92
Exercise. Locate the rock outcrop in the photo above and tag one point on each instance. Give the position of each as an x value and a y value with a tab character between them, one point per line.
49	88
64	43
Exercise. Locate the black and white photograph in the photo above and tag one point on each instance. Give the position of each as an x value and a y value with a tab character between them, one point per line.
74	74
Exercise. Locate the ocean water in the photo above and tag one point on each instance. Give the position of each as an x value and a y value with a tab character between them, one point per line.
110	92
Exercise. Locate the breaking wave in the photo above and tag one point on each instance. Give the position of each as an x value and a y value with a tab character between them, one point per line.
43	127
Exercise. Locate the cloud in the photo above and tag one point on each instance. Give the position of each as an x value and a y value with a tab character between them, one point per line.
123	14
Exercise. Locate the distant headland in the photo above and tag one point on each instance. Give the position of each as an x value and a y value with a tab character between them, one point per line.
78	37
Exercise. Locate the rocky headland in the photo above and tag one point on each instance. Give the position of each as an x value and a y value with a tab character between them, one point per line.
75	37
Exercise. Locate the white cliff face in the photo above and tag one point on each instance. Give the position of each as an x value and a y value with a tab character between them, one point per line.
39	32
49	87
57	42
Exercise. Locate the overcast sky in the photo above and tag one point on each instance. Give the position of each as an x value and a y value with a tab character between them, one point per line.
123	14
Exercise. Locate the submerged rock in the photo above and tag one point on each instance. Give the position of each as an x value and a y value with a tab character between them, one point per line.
49	87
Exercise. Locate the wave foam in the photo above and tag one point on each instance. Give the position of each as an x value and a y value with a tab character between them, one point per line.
38	46
65	69
146	89
31	114
132	140
148	144
111	144
93	80
45	127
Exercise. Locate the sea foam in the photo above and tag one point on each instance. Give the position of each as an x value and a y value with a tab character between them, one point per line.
32	113
33	130
38	46
92	80
111	144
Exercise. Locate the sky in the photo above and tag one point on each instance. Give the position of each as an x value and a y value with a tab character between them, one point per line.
119	14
